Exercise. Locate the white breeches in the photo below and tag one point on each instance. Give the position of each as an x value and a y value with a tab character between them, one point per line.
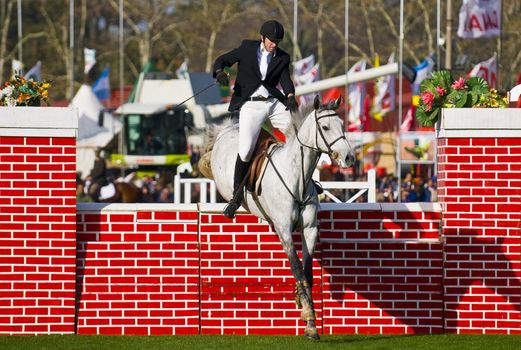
251	117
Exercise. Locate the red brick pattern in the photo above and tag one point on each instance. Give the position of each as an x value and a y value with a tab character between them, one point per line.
382	271
138	272
37	234
480	191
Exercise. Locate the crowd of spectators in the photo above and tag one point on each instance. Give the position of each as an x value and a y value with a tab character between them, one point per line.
414	188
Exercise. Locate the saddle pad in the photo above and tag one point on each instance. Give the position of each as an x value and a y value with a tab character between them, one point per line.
107	192
264	142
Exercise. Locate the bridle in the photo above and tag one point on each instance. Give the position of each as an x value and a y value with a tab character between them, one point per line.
318	131
319	151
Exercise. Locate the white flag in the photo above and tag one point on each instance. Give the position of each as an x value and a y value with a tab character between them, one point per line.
304	65
90	59
356	95
479	18
305	72
486	70
182	71
385	94
17	67
423	70
408	121
35	73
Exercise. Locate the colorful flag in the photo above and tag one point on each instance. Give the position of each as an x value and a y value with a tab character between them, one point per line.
423	70
35	73
102	87
486	70
479	18
182	71
308	77
384	94
356	96
90	59
17	67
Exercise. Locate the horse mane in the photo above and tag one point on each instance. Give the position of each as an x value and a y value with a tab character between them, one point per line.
212	130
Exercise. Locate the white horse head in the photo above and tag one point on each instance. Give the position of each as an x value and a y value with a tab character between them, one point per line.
327	135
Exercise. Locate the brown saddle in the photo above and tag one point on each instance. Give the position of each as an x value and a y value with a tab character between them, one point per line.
265	144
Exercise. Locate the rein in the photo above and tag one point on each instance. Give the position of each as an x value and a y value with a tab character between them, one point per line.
330	152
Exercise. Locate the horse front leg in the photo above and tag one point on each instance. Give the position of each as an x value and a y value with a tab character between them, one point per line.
309	239
308	312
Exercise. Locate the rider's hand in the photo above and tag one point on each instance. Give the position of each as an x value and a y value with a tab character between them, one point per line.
222	78
291	104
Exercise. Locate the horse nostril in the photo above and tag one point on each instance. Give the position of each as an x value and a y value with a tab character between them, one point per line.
334	155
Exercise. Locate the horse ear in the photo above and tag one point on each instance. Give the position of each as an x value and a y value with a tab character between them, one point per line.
338	101
316	102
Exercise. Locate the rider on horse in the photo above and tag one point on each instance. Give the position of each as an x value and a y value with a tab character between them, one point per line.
98	176
262	65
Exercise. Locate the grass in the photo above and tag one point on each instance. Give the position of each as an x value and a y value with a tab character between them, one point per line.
208	342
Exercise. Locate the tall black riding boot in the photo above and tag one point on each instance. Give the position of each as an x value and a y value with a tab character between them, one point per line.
241	170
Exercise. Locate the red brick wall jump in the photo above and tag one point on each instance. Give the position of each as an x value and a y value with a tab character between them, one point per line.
167	269
170	269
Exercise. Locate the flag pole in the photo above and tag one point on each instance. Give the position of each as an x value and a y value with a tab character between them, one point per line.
71	46
295	27
121	88
346	67
400	107
20	45
438	39
448	39
499	47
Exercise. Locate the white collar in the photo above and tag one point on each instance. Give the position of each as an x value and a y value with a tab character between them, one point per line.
266	52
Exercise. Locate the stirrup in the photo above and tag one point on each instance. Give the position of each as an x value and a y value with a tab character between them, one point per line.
230	210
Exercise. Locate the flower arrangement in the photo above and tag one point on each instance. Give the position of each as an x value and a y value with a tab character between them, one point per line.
19	91
442	91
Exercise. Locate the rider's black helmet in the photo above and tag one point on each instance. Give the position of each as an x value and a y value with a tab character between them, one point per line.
273	30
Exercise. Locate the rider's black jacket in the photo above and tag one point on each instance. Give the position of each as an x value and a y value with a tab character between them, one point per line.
249	76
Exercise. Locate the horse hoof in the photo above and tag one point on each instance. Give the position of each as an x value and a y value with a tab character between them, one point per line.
311	333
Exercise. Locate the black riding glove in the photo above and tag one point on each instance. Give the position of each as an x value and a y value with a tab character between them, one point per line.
291	104
222	78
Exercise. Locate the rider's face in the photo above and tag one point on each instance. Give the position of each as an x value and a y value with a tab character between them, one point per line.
269	45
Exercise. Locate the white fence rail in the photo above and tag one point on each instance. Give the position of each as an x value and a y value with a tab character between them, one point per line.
368	186
183	189
206	189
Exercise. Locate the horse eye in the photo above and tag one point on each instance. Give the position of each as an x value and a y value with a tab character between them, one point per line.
325	128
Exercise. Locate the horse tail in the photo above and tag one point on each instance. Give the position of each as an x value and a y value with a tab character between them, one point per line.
212	132
205	165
